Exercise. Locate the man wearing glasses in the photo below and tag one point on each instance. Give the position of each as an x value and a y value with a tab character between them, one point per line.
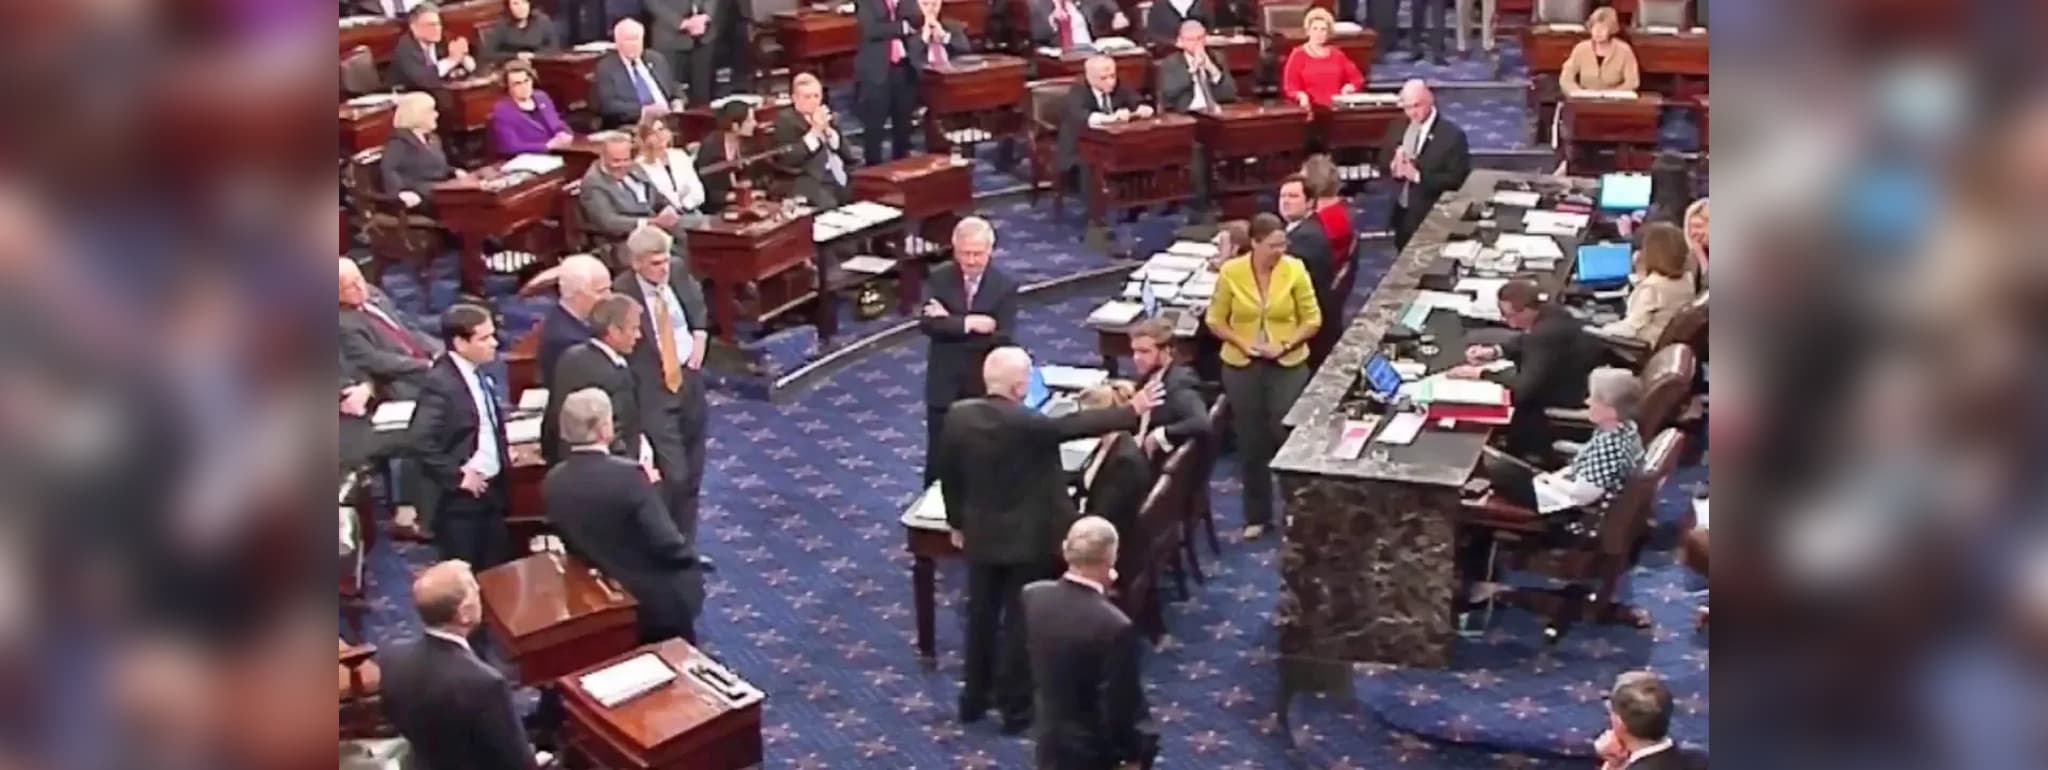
458	429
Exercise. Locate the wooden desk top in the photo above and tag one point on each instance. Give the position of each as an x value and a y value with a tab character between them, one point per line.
1248	111
978	63
1168	120
757	229
492	181
681	724
527	597
911	168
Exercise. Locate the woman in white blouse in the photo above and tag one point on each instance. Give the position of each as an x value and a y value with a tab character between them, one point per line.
1662	285
673	171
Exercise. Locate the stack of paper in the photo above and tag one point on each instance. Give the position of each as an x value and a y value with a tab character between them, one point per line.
392	415
1660	29
533	163
751	100
1049	50
1554	222
1463	251
1614	94
1167	260
822	231
930	506
1159	275
1485	297
533	399
1441	389
871	213
597	46
1401	430
867	264
1072	377
1348	28
1074	454
371	100
1202	286
1365	99
1115	313
525	430
627	679
1192	249
1522	198
1566	27
1114	44
1529	246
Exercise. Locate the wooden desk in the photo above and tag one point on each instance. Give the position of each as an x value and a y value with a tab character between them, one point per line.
1138	162
1628	126
467	108
985	92
365	127
552	616
730	254
567	76
482	207
1133	68
1251	147
684	725
1240	53
1360	46
457	20
820	42
933	191
378	34
1683	54
927	542
1546	49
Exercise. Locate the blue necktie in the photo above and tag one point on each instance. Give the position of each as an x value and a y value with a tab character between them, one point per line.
490	388
641	87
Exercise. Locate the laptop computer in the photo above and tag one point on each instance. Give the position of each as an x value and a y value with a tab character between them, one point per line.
1379	376
1036	394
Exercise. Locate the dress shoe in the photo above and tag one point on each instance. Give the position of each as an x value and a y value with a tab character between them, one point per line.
705	563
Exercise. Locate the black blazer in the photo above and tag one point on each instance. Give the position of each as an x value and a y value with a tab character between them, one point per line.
505	41
645	360
413	165
871	59
813	178
444	428
1445	160
1183	415
1118	492
1307	242
584	366
1552	360
1176	85
957	44
1162	23
1001	476
711	152
413	70
953	369
618	104
664	20
559	331
455	709
1099	13
1674	758
1085	661
1080	104
609	514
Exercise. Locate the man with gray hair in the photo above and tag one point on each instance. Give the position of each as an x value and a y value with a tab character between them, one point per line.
1431	160
580	280
1085	660
971	310
1095	101
600	363
617	197
1638	732
1005	492
608	514
668	368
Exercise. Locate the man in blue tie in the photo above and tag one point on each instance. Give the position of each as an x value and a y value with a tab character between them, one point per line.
458	429
634	81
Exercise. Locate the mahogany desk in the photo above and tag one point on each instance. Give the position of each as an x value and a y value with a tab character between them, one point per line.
1139	162
378	34
365	127
553	616
978	91
481	207
972	15
567	76
927	542
1133	68
1356	134
1629	126
768	253
1251	147
1240	53
468	108
932	191
820	42
683	725
1360	46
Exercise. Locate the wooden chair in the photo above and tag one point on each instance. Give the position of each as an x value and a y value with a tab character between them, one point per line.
1181	468
360	682
1665	381
359	73
1140	595
394	233
1562	11
1689	326
1282	18
1663	13
1201	511
1047	97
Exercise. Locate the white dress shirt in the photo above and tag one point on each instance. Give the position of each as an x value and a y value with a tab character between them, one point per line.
1104	108
1076	578
485	460
685	343
1202	85
1079	22
676	177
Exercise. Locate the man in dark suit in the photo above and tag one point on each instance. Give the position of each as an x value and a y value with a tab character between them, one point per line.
812	149
731	140
1193	80
938	40
608	514
1095	101
1308	242
687	33
1006	500
632	81
1085	660
1638	733
600	363
1183	415
1552	355
455	709
580	281
1070	24
617	197
669	367
379	342
972	310
1163	22
885	80
419	61
1430	160
459	432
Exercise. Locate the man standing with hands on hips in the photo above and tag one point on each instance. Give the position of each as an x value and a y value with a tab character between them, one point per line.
1431	160
972	310
668	365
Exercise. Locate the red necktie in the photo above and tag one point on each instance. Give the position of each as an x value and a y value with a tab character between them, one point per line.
895	43
1066	19
391	330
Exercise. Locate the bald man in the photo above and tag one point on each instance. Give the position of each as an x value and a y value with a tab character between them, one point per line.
379	342
580	281
633	81
813	150
1430	159
1007	503
455	709
1097	100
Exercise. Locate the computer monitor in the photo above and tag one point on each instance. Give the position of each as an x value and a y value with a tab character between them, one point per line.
1380	376
1037	393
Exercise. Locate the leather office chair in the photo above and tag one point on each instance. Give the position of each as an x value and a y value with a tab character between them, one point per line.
1282	18
1688	327
1141	597
1562	11
1046	99
394	233
1661	13
1665	382
359	73
1201	510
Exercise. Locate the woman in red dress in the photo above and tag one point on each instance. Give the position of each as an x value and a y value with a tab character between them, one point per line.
1316	72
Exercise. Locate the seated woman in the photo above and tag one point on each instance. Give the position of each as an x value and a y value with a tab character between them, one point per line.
728	140
1661	285
1601	62
524	32
1315	72
673	171
1696	236
413	160
526	120
1116	477
1601	467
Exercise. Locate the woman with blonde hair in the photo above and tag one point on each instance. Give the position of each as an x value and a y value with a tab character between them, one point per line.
1696	235
1661	285
1315	71
1601	62
673	171
413	160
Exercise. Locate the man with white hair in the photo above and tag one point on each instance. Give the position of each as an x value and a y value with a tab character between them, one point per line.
378	341
581	280
1006	501
1432	159
972	309
1095	101
1085	660
633	81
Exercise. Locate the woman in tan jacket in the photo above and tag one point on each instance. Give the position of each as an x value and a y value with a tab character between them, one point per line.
1601	62
1662	285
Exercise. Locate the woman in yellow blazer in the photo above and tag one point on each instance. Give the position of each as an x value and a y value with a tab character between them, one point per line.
1265	313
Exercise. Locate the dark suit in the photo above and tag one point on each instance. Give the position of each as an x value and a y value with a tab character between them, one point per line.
957	45
1005	492
609	515
886	93
507	41
1674	758
585	366
1086	657
1099	13
694	55
1308	242
612	208
711	152
953	368
1082	102
445	430
1162	23
617	101
1183	415
559	331
413	68
811	167
1176	89
396	361
673	422
1445	161
413	165
1117	492
455	709
1552	360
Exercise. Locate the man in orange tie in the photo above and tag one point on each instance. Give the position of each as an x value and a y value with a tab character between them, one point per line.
668	368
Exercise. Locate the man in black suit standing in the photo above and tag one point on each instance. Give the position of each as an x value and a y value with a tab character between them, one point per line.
885	80
1552	355
419	61
632	81
685	31
812	149
1085	657
1095	101
580	281
1163	22
669	367
454	708
1638	733
459	431
1194	80
972	310
600	363
1006	500
1308	242
609	515
1432	159
938	39
1182	415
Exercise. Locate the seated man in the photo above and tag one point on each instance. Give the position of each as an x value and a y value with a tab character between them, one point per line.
419	61
1193	80
454	708
1095	101
632	81
1071	24
1552	356
617	198
813	150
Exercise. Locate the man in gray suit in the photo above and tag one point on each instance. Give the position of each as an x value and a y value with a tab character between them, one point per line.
617	197
375	340
668	366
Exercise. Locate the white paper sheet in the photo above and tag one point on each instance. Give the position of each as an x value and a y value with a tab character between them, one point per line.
621	681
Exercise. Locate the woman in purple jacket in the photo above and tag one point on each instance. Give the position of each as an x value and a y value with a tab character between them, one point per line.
525	120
